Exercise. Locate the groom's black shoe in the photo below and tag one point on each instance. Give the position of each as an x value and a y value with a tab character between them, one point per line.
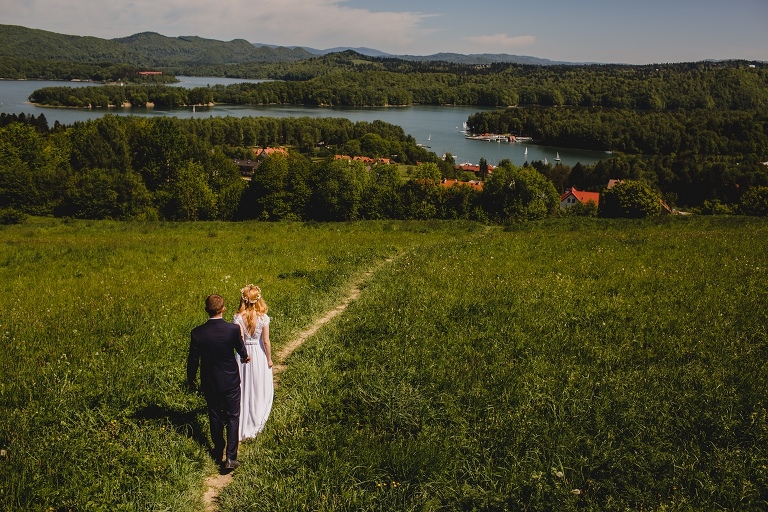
231	464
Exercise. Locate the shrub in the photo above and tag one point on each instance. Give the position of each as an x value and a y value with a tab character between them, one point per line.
588	209
715	207
630	199
11	216
755	202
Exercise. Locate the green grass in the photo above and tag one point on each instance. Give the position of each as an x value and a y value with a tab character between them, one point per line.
94	335
570	364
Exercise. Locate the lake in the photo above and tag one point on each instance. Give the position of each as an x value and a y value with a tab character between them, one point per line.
438	128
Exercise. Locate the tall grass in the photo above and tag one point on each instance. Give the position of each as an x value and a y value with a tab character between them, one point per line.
570	364
574	364
94	332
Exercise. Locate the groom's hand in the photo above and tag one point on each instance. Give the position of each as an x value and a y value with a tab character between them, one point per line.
247	359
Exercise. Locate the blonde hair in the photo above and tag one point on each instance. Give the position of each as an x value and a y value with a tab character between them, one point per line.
252	306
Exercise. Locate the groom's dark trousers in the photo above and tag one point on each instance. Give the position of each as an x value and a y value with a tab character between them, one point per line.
214	345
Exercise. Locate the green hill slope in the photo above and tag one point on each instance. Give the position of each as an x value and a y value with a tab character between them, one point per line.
143	49
33	44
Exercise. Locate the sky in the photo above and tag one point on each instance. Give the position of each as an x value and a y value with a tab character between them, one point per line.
605	31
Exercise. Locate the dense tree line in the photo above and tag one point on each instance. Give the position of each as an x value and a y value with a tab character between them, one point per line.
25	69
163	96
164	168
342	79
123	167
739	132
727	84
691	156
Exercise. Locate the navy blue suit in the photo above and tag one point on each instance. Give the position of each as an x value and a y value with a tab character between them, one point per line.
213	345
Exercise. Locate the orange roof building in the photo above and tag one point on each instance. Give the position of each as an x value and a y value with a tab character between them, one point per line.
477	185
265	152
573	196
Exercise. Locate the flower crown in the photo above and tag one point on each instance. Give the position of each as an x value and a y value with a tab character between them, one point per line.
245	297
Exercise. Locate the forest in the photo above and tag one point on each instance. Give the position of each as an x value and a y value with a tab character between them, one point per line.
696	134
130	167
350	79
123	167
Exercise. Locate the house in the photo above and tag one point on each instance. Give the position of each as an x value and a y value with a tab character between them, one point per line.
368	161
150	73
477	185
573	196
262	153
246	166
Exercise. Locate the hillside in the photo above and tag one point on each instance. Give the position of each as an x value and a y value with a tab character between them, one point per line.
143	49
152	49
186	50
27	43
456	58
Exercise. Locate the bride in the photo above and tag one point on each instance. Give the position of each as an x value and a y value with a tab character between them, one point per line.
256	384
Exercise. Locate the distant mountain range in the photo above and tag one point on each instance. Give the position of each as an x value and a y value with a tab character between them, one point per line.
155	50
474	58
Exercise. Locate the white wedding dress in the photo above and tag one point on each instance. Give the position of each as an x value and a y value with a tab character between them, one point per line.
256	384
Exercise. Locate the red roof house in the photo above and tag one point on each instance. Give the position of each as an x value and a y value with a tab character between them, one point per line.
573	196
477	185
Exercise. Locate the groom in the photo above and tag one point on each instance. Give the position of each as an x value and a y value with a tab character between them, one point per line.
214	344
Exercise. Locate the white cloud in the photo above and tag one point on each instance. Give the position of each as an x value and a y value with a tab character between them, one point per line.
500	42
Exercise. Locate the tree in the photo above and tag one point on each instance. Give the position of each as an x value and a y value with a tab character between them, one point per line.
158	146
630	199
338	187
755	202
191	197
267	197
374	145
514	193
100	143
428	172
90	194
381	199
226	183
483	169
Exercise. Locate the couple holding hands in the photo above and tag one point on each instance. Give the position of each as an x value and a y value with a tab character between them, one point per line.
238	389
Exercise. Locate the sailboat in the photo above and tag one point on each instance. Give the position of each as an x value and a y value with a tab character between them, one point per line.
526	153
430	137
557	158
545	161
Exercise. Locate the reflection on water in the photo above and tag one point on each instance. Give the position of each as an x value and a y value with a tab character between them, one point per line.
437	128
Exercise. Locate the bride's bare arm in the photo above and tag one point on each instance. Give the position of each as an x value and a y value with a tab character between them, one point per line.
267	345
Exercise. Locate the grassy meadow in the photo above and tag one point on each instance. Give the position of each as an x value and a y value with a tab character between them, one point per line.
573	364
